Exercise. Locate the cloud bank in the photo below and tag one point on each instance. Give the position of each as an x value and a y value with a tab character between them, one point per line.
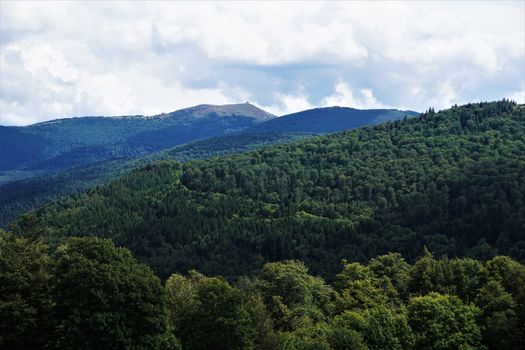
61	59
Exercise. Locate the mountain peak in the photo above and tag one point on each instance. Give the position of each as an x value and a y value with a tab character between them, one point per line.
241	109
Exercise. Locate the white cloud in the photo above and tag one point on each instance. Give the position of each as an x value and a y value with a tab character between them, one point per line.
58	88
82	58
343	96
290	103
259	33
518	96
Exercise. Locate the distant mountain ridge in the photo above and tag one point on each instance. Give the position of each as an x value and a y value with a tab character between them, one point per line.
100	138
63	144
245	109
332	119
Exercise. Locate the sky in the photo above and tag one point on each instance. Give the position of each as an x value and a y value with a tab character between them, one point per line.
67	59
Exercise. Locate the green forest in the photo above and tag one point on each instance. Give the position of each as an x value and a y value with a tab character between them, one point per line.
85	293
405	235
453	181
25	195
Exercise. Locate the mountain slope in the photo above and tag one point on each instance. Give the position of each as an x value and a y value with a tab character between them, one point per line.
24	195
133	146
332	119
453	180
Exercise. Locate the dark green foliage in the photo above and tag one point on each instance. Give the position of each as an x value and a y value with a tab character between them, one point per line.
29	226
25	300
89	294
207	313
96	150
447	180
499	316
105	299
452	181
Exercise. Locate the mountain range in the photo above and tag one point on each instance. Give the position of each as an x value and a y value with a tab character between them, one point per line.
43	161
452	181
65	143
359	239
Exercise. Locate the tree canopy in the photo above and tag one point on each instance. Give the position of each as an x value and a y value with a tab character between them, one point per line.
85	293
453	181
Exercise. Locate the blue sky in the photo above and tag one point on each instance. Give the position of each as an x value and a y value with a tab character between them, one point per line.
63	59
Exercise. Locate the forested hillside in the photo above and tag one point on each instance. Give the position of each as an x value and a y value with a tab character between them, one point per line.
101	149
453	181
24	195
85	293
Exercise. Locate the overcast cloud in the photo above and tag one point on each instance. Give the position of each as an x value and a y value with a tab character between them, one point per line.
116	58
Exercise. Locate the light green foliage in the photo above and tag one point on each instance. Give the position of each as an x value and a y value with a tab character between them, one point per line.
358	287
395	268
442	322
182	297
461	277
509	273
345	331
310	337
387	328
293	297
426	275
379	327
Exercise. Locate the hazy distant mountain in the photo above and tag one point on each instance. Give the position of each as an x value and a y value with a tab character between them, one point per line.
64	143
332	119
